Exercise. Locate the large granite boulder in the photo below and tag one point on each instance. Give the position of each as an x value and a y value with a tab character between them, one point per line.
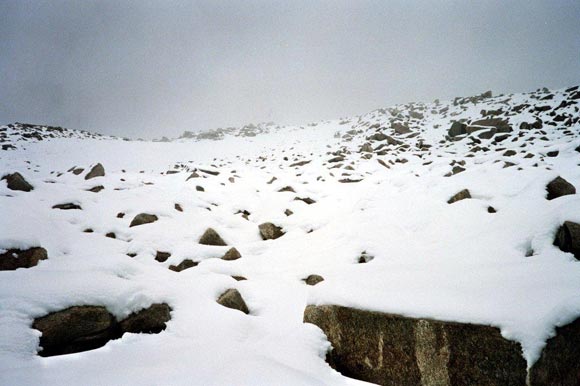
395	350
13	259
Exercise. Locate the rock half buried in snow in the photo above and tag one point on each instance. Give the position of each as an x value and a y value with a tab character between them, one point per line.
559	187
15	258
15	181
185	264
568	238
269	231
232	299
395	350
82	328
462	195
313	279
96	171
143	218
211	237
231	254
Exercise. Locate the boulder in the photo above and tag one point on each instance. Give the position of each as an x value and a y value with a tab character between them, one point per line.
568	238
269	231
96	189
232	299
559	187
15	181
231	254
313	279
185	264
501	125
67	206
96	171
395	350
457	128
462	195
211	237
82	328
401	128
150	320
15	258
75	329
143	218
162	256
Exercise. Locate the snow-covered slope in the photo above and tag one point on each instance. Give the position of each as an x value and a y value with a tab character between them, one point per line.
378	185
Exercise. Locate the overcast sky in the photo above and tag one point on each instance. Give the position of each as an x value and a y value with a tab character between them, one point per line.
153	68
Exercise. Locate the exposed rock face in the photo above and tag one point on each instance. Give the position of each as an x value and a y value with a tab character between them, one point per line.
568	238
559	187
15	258
269	231
462	195
395	350
232	254
232	299
211	237
559	363
313	279
97	171
15	181
82	328
143	218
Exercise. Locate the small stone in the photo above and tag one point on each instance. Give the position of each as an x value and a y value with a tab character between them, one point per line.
111	235
462	195
15	181
178	208
239	278
97	171
288	212
211	237
313	279
162	256
96	189
231	254
559	187
269	231
67	206
143	218
185	264
232	299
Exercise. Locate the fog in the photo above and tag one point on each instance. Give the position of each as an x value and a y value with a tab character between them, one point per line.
157	68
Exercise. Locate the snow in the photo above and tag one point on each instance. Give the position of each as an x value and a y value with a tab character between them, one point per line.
431	259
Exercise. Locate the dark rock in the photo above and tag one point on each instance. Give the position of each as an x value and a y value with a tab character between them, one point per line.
239	278
178	208
365	257
462	195
111	235
313	279
151	320
395	350
199	188
568	238
97	171
457	128
192	175
67	206
501	125
287	189
15	258
232	299
185	264
400	128
15	181
162	256
231	254
143	218
120	215
210	172
75	329
96	189
559	187
269	231
300	163
288	212
307	200
552	153
491	209
211	237
77	171
559	363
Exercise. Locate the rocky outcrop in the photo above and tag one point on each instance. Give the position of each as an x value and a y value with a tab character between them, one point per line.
269	231
211	237
82	328
232	299
559	187
15	258
96	171
568	238
15	181
143	218
395	350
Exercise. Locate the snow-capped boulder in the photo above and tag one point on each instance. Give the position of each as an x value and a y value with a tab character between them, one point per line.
96	171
